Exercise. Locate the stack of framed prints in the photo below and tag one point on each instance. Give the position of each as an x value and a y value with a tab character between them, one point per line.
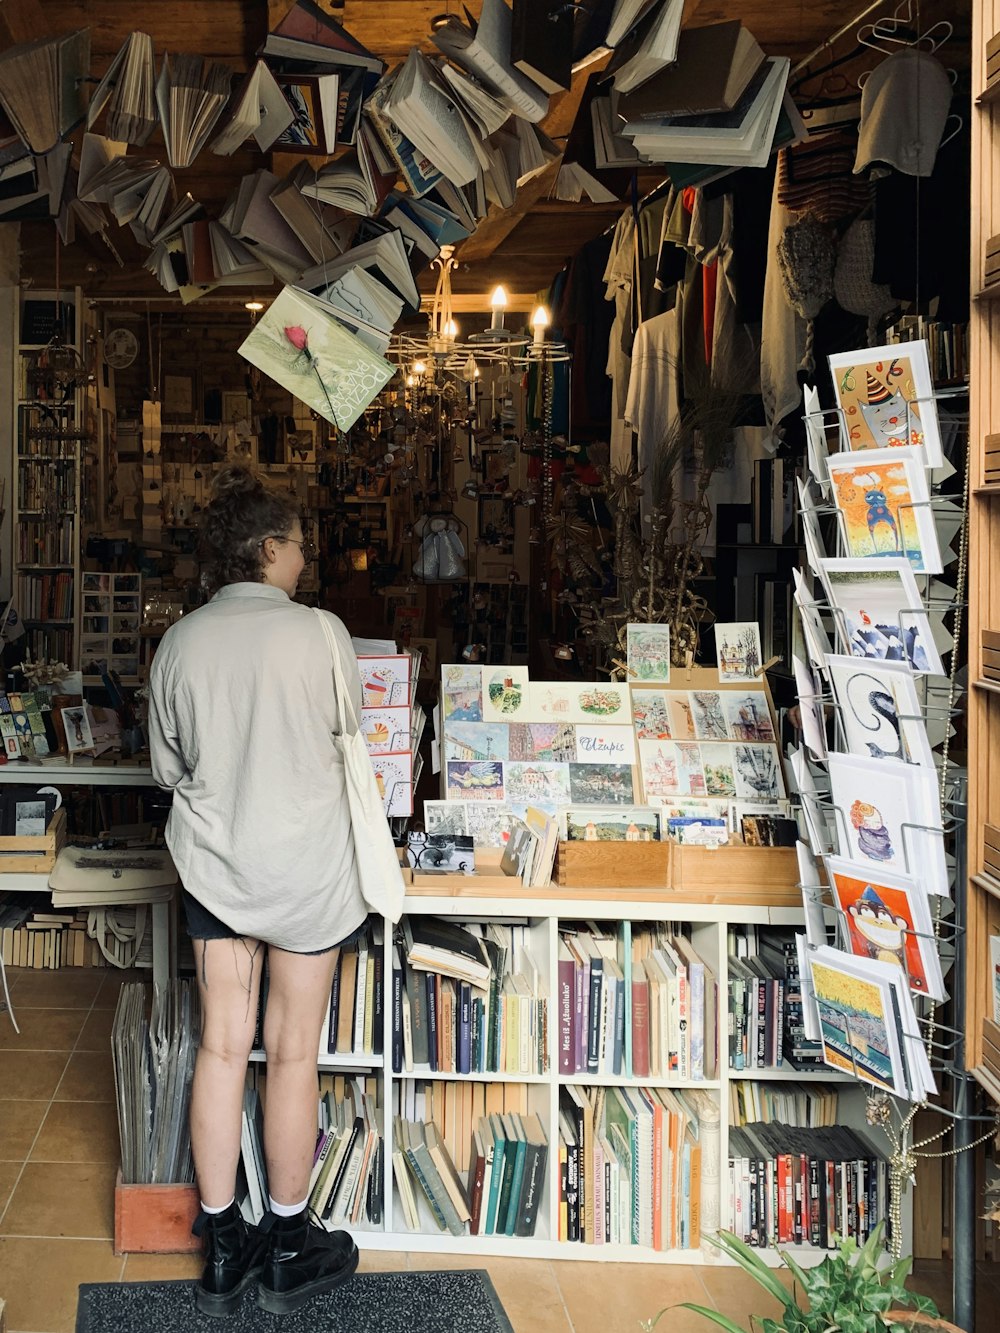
874	704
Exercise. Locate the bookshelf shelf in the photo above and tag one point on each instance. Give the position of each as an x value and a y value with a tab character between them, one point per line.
610	1081
326	1061
822	1075
425	1072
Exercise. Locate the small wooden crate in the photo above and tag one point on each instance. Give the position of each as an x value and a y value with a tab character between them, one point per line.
613	865
155	1219
735	874
38	853
991	460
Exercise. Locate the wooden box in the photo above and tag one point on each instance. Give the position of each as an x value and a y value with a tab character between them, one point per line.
991	460
613	865
735	874
38	853
489	878
155	1219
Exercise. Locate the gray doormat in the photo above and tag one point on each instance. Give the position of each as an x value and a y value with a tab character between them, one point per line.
440	1301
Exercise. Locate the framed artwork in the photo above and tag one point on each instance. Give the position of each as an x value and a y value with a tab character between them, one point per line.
883	502
887	398
881	613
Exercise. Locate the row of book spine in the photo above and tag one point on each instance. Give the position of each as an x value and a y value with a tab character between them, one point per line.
49	947
766	1029
807	1105
45	596
54	644
46	543
48	488
354	1019
794	1186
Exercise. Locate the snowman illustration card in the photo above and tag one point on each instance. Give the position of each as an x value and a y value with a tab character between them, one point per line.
884	506
887	398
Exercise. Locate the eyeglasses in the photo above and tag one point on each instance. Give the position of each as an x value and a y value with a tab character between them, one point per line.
309	548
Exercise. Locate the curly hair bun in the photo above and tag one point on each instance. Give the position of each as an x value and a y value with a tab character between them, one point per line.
236	482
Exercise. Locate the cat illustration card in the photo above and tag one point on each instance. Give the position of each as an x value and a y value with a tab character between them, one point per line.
884	507
475	740
880	613
505	693
887	398
462	692
878	708
888	917
651	714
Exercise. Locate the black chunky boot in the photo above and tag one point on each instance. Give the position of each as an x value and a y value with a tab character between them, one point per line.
303	1261
234	1257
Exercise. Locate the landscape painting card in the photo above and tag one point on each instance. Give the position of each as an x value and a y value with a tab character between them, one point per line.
757	769
748	716
889	814
881	614
474	780
601	784
551	701
446	817
884	505
601	702
385	729
535	783
858	1024
394	779
475	740
709	715
611	823
888	917
604	745
385	681
462	692
551	742
651	714
302	347
505	693
887	397
879	710
648	652
737	650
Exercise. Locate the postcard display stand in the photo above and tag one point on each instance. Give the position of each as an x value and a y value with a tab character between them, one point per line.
883	807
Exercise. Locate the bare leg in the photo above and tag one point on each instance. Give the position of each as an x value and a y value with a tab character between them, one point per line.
299	990
228	983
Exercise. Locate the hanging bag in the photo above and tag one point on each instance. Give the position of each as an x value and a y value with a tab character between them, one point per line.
378	864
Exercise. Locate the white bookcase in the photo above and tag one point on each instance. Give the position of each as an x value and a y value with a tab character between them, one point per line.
708	924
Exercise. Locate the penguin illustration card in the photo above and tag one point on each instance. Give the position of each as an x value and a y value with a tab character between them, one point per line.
880	612
884	507
385	681
887	398
888	917
878	707
888	817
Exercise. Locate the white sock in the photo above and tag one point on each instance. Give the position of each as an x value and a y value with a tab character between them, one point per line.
205	1208
286	1209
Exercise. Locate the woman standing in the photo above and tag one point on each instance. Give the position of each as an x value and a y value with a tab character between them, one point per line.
242	711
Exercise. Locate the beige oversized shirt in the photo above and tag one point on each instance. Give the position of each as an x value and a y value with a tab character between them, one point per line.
241	716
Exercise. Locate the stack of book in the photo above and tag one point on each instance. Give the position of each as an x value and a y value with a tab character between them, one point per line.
41	938
345	1185
457	1105
354	1017
765	1004
806	1105
794	1186
507	1175
423	1167
630	1165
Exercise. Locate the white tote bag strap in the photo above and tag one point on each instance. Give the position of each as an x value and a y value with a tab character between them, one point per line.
345	707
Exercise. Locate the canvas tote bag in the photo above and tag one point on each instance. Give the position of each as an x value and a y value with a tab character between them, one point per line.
378	864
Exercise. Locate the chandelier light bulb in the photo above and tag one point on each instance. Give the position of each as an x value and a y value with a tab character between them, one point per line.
498	304
451	330
419	368
540	322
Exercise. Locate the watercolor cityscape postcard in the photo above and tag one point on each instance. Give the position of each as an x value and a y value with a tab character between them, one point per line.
887	398
648	652
553	742
475	740
462	692
474	780
737	650
881	614
748	717
601	784
757	770
505	693
883	500
532	783
709	714
551	701
608	703
596	823
650	714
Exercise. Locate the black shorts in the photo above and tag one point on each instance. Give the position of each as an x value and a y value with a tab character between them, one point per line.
204	925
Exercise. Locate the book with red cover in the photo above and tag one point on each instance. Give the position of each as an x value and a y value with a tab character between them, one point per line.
482	1155
307	33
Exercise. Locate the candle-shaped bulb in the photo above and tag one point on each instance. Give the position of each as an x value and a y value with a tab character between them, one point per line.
498	304
451	330
540	322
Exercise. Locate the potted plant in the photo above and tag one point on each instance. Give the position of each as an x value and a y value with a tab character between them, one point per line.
847	1293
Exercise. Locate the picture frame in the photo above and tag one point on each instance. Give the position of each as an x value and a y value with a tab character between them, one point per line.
76	724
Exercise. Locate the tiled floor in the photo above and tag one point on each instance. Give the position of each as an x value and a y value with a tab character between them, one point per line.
58	1157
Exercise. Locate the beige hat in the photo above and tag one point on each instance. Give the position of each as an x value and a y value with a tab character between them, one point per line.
904	106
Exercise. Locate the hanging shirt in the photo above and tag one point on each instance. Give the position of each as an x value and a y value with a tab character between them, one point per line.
242	714
653	403
618	288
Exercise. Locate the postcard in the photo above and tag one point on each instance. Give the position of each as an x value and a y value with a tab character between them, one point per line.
887	397
666	768
475	740
717	767
394	779
881	613
490	822
757	770
709	715
884	504
552	742
737	650
505	693
76	722
650	713
818	828
445	817
601	702
888	815
811	714
815	639
462	692
551	701
816	442
879	710
648	652
888	917
601	784
698	830
385	681
604	745
748	717
597	823
386	729
303	348
811	534
534	783
474	780
857	1018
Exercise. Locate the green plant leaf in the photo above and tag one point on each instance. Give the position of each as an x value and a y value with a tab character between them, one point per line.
722	1320
751	1263
796	1270
923	1304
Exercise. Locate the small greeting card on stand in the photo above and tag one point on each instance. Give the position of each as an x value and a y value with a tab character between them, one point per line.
881	614
884	505
648	652
887	397
737	650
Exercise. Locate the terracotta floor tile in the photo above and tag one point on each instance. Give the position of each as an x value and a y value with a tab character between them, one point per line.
96	1032
42	1029
530	1294
598	1302
112	979
63	1199
78	1132
89	1077
30	1074
49	1305
9	1172
72	988
161	1267
736	1294
19	1123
